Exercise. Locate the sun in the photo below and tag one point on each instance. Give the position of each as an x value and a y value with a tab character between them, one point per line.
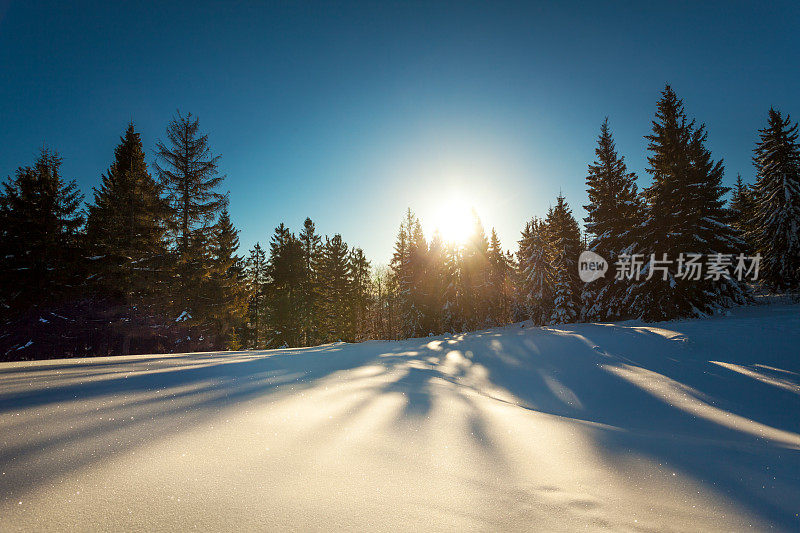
454	220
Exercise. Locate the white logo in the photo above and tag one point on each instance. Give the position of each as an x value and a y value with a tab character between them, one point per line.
591	266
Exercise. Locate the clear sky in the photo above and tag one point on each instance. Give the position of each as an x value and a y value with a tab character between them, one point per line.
351	112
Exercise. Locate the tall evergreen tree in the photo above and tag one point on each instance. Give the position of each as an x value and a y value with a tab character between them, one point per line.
564	309
125	233
473	278
360	294
524	250
284	288
451	318
499	289
418	264
741	211
685	215
311	244
564	235
41	260
335	287
188	174
226	286
775	229
614	213
437	283
253	335
536	272
408	264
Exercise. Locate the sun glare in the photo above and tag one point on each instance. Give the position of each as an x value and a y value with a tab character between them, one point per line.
454	221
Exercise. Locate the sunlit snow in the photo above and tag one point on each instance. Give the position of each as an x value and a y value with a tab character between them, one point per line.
687	426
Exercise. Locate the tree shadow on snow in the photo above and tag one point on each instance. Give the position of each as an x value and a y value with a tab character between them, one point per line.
731	425
733	428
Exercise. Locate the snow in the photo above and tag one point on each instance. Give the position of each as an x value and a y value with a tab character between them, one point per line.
681	426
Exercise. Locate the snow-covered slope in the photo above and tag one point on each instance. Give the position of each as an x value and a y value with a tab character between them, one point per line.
687	426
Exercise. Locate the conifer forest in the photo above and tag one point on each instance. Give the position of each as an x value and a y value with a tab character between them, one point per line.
150	262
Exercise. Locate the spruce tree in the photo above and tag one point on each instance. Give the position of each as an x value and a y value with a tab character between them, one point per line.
564	309
499	289
437	283
775	229
473	278
189	177
360	294
418	265
41	261
521	301
408	263
536	272
514	311
564	235
741	210
227	295
335	286
685	214
614	214
125	234
311	243
283	291
253	335
451	318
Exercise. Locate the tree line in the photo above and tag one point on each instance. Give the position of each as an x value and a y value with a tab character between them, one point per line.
680	217
152	263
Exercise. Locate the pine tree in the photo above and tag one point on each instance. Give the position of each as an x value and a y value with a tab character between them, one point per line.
614	213
253	335
564	309
564	234
740	206
536	272
775	229
499	289
438	281
741	210
275	290
284	288
522	288
360	294
125	234
685	215
408	270
189	177
227	295
452	320
41	261
335	286
401	274
473	280
418	265
311	243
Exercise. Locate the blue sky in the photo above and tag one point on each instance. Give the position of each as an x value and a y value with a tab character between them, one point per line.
351	112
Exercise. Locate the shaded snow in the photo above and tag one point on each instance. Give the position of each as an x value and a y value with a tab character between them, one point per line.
680	426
